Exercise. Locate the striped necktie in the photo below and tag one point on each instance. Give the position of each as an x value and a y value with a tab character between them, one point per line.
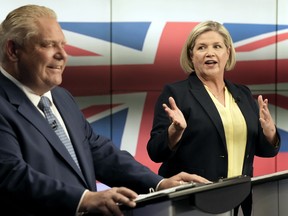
44	105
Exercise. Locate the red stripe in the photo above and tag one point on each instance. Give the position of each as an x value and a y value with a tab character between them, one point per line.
262	43
75	51
95	109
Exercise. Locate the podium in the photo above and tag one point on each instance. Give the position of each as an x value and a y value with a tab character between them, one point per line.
270	194
217	198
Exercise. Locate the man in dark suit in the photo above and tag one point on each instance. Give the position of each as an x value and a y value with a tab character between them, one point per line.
38	176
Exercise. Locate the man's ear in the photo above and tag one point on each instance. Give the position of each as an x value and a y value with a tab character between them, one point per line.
12	50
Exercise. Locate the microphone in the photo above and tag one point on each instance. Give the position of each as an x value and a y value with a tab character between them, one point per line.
54	125
237	99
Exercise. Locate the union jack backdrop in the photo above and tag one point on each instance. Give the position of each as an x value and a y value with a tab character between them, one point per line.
122	53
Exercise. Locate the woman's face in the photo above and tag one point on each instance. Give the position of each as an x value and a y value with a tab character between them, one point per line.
210	55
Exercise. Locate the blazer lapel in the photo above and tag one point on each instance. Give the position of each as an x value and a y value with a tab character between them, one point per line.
245	108
199	92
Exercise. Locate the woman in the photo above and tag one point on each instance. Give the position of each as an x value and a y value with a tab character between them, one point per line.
205	124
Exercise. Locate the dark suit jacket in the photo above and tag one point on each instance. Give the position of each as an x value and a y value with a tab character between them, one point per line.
202	149
37	174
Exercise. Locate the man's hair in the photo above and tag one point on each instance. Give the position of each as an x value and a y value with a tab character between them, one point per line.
21	24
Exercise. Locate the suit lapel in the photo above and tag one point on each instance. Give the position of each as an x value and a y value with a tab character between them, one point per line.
72	129
31	114
42	125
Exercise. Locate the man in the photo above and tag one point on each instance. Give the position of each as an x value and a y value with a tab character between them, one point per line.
38	176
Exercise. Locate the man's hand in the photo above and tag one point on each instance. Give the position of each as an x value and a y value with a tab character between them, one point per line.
106	202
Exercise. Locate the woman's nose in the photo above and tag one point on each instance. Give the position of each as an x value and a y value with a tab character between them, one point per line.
210	52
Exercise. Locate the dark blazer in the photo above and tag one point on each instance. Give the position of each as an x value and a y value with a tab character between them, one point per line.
37	174
202	148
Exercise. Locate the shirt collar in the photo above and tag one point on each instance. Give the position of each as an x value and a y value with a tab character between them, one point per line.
34	98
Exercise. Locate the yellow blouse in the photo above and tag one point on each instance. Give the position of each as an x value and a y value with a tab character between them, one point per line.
235	132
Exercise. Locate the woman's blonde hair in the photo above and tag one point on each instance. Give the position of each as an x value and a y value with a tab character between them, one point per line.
21	24
186	53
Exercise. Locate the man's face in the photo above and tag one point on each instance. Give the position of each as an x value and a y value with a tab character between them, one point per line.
42	60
